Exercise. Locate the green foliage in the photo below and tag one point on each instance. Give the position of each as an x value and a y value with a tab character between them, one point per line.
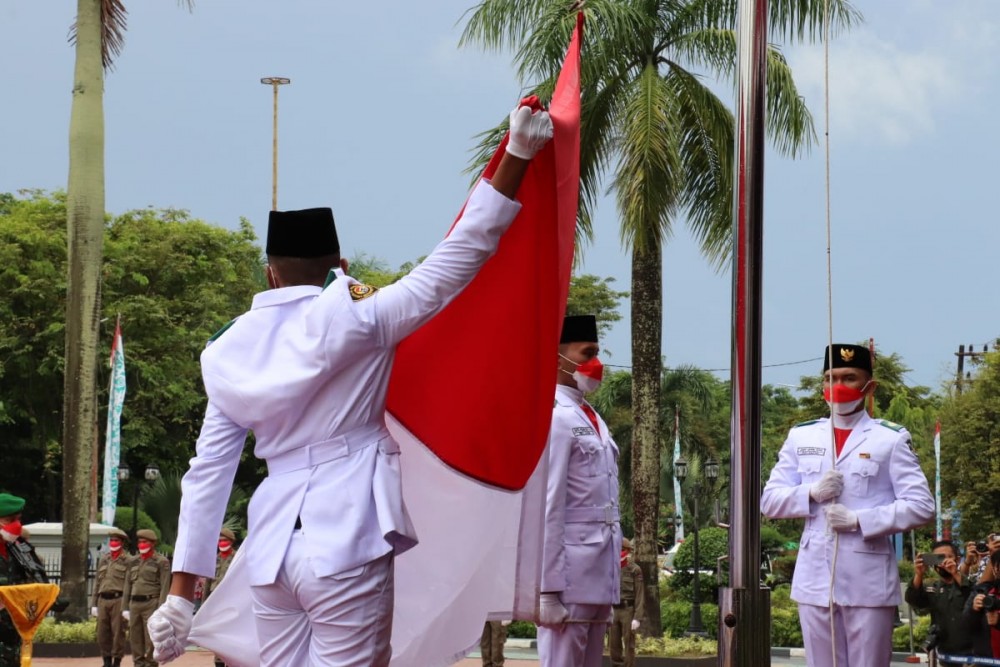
592	295
712	543
670	646
123	519
785	627
522	630
969	439
50	632
173	279
676	618
901	635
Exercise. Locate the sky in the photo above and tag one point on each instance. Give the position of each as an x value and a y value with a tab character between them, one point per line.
381	116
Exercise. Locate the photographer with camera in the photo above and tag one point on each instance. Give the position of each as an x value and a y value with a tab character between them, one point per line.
982	610
969	568
945	598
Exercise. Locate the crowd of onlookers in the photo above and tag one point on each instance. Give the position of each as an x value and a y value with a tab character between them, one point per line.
964	599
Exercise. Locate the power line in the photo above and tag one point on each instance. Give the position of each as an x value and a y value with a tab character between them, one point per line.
721	370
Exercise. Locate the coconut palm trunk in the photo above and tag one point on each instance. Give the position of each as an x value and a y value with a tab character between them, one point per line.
85	234
647	308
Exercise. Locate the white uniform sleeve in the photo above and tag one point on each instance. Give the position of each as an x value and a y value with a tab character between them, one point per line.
784	495
402	307
553	548
914	505
205	493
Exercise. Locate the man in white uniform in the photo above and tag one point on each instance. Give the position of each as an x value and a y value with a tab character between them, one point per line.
583	540
861	483
307	369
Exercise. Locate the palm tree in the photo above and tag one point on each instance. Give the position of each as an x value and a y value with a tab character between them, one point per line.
99	36
661	139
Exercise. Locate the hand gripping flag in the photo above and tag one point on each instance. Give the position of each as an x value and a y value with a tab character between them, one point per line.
470	403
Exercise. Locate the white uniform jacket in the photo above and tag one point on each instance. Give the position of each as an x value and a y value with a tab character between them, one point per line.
307	370
883	484
580	556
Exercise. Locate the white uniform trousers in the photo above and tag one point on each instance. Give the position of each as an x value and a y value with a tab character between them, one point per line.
576	644
344	620
863	635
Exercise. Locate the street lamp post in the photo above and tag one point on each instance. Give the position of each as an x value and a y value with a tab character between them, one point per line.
696	628
150	475
274	82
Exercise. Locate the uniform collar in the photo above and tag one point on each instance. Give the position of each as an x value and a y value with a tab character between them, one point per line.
568	395
277	297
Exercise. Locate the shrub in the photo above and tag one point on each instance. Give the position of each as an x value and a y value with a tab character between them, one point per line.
50	632
522	630
676	618
901	635
681	646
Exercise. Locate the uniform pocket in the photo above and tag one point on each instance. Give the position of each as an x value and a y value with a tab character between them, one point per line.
809	468
861	472
589	454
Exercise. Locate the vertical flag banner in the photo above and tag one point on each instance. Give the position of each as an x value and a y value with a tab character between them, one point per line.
679	509
937	477
113	439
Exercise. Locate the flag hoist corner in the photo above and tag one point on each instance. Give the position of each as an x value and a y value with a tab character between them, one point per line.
474	474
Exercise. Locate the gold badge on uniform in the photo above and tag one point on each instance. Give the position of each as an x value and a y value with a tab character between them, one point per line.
359	291
864	455
847	354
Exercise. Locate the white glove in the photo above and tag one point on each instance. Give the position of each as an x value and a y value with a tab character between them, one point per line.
635	624
169	627
551	612
125	614
830	485
505	623
529	132
840	518
93	612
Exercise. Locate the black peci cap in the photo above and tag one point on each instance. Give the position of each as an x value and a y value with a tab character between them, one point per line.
848	356
309	232
579	329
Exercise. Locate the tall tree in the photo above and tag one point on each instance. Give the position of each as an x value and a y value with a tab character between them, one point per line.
98	35
654	128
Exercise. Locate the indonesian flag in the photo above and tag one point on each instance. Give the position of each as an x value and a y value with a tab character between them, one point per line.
472	441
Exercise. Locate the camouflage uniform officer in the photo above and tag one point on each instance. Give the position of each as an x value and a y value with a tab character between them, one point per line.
626	614
106	605
491	644
145	589
227	539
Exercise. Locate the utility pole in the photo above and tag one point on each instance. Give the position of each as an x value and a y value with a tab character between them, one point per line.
274	82
960	375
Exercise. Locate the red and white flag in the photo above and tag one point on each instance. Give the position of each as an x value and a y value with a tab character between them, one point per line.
471	442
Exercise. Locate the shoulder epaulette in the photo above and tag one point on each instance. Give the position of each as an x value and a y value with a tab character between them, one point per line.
811	421
893	425
221	331
359	291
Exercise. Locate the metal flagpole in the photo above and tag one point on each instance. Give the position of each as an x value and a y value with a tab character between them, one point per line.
744	606
274	82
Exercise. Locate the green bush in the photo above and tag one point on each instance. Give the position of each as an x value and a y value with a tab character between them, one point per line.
123	520
676	618
50	632
785	627
672	647
901	635
522	630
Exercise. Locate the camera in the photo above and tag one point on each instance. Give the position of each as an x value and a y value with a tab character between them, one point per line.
991	603
982	548
932	560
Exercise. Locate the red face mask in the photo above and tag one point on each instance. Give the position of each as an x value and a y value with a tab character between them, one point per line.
624	558
114	545
225	545
841	393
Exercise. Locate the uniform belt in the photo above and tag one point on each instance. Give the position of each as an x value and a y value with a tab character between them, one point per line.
325	451
110	595
608	515
624	604
143	598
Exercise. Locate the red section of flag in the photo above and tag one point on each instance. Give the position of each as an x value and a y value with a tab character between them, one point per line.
475	384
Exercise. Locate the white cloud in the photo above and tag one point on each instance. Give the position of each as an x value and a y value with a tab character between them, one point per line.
880	91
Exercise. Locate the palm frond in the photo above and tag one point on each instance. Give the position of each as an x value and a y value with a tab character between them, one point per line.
798	20
113	25
706	141
649	174
789	122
